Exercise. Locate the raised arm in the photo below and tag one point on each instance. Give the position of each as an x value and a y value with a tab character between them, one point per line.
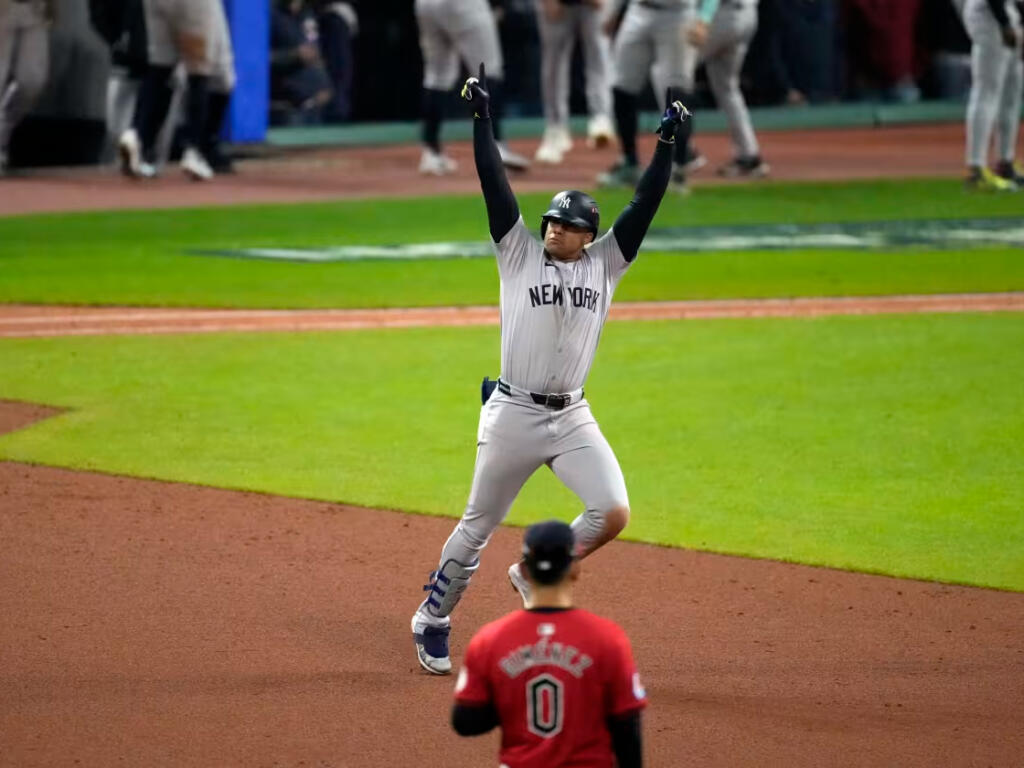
631	226
502	208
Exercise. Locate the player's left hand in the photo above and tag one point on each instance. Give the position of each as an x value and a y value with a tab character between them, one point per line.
1009	36
475	92
675	122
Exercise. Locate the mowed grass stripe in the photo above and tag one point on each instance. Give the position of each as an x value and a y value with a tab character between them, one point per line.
886	444
140	257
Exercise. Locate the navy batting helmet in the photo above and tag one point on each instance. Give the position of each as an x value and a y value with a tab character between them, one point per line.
572	207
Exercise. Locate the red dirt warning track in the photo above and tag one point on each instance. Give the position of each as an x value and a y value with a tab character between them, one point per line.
161	624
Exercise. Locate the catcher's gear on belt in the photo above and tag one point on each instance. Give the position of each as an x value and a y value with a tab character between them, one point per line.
475	91
575	208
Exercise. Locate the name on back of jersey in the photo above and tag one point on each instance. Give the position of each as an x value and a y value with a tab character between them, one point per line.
545	653
554	294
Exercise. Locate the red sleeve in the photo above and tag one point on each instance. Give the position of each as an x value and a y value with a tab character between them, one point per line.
625	692
473	688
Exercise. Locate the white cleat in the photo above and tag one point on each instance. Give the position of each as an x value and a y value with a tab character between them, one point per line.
556	142
129	148
600	132
195	166
511	160
436	164
519	583
431	645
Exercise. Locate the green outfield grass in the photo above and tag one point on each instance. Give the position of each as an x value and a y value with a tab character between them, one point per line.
139	257
890	444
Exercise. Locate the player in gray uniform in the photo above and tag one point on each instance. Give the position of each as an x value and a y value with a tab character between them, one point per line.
651	43
723	47
561	24
554	300
452	31
24	62
194	32
997	76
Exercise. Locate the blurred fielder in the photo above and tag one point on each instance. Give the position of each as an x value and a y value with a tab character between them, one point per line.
997	76
24	62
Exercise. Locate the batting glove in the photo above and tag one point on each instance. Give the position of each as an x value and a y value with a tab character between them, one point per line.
475	92
675	122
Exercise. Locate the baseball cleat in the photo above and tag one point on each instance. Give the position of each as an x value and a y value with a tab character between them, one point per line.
1012	172
622	174
694	160
431	645
129	149
436	163
554	145
194	165
983	180
677	182
600	132
519	583
745	167
511	160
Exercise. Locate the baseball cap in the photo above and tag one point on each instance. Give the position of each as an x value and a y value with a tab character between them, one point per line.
548	551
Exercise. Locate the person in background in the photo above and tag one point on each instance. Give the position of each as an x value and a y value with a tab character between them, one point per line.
454	31
24	62
997	75
300	86
563	24
559	681
338	25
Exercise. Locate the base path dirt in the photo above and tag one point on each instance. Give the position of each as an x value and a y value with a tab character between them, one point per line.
160	624
23	321
360	172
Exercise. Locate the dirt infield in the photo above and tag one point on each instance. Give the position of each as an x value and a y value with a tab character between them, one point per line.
158	624
19	321
325	174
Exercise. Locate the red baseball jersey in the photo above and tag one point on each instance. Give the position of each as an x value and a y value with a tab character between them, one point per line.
554	677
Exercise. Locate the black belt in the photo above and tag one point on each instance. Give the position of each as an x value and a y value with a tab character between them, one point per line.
555	402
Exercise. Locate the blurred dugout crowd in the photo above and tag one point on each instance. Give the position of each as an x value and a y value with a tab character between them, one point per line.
328	59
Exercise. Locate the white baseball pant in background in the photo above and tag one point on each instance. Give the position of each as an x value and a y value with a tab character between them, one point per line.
557	38
729	37
997	76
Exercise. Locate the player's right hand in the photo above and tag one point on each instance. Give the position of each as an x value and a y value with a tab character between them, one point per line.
475	92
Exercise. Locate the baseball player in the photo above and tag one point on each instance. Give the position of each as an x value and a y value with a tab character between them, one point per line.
723	47
555	296
561	24
559	681
24	62
452	31
653	41
997	76
194	32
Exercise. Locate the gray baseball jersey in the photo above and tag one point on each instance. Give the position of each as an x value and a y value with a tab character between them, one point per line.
451	30
552	312
997	76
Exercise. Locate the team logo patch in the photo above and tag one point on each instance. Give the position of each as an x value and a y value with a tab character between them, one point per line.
545	630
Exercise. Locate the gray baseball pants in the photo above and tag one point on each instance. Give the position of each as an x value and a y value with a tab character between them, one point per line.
729	37
583	23
652	44
24	62
997	76
451	30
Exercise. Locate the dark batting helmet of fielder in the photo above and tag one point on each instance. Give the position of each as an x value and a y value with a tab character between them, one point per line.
575	208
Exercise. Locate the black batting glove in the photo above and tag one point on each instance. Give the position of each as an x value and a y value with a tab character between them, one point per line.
675	122
475	92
